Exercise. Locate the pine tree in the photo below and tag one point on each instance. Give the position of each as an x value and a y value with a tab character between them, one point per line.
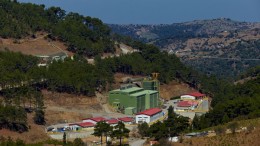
64	140
120	131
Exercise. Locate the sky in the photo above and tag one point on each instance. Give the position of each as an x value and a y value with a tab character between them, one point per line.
159	11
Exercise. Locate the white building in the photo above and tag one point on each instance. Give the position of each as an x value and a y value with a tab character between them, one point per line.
74	126
126	120
94	120
193	96
149	115
189	97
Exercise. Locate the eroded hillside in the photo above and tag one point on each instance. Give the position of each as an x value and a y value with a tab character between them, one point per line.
222	47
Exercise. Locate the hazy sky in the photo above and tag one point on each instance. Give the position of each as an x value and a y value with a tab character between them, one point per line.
159	11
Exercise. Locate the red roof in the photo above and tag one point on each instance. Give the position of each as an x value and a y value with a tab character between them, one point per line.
112	121
196	94
150	112
74	124
187	103
126	119
96	119
86	124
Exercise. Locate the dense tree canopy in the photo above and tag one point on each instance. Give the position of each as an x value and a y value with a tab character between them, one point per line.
83	35
242	102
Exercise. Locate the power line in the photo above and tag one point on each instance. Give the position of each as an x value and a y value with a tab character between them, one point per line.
225	58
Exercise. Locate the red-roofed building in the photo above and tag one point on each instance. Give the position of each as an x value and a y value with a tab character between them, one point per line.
74	126
112	122
193	96
197	94
126	120
94	120
187	103
150	112
86	124
149	115
83	126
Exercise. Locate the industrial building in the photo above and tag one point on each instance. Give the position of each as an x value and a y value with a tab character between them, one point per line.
81	126
152	83
94	120
126	120
193	96
149	115
130	100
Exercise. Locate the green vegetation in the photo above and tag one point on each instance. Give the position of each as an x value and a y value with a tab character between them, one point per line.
252	72
242	51
19	95
120	131
83	35
77	77
241	102
104	129
21	80
174	125
78	142
143	129
196	40
10	142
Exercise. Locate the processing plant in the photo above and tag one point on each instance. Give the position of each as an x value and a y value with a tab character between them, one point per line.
131	100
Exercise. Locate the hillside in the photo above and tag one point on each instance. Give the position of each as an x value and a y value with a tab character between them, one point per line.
167	91
67	90
39	45
246	137
222	47
82	35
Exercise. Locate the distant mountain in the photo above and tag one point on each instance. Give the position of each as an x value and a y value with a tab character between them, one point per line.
222	47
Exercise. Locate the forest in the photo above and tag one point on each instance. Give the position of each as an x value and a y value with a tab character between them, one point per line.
83	35
241	102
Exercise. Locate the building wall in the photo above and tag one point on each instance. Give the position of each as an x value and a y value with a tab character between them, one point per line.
127	123
156	116
130	111
142	118
75	127
188	97
147	101
148	119
87	128
140	102
124	99
89	120
151	85
154	100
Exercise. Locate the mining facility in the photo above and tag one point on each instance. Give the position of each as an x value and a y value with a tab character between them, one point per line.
131	99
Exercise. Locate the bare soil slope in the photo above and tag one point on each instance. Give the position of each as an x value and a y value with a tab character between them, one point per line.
59	108
63	107
36	133
174	89
237	139
33	46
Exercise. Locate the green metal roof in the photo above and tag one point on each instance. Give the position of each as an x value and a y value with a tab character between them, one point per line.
130	108
128	90
144	92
